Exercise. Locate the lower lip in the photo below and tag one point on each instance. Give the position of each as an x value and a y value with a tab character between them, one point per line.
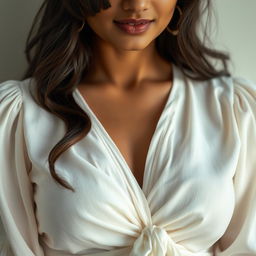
134	30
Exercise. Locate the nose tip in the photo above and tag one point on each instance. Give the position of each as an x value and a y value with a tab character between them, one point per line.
135	5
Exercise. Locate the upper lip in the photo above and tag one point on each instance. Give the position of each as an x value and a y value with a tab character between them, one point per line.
133	20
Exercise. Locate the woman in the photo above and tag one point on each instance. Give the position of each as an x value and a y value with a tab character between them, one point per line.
123	138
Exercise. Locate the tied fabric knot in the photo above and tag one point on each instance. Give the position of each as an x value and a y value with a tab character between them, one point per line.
153	241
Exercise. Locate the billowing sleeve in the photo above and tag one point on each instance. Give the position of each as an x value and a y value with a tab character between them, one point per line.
18	226
240	237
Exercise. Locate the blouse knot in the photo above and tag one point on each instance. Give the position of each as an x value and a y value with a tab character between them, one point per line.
153	240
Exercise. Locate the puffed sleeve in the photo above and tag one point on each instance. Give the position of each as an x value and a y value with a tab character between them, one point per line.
18	227
240	237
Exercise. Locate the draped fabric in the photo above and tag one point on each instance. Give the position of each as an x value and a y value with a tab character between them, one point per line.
198	196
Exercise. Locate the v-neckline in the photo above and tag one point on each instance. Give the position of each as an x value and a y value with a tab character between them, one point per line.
100	128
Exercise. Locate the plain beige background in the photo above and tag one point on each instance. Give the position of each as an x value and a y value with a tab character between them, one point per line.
234	32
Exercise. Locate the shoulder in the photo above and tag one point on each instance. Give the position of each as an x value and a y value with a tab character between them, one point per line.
237	85
244	106
232	86
15	89
230	98
12	96
240	97
10	90
241	91
244	93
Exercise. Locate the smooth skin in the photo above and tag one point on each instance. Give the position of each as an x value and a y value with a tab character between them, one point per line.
128	83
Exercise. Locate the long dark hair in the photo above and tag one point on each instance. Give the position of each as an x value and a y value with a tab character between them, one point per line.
59	56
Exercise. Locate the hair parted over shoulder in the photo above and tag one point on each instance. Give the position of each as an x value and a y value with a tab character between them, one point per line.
59	56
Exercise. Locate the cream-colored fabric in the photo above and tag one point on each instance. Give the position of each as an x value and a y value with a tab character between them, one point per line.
16	197
199	188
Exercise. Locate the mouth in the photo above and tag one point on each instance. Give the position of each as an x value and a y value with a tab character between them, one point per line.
133	28
133	22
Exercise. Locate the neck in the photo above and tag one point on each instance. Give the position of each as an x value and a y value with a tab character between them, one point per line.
125	69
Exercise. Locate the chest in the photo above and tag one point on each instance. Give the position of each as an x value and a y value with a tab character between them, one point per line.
130	119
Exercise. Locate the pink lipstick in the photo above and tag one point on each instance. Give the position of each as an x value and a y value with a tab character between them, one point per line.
133	26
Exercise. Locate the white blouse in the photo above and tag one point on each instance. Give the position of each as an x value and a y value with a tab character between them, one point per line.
199	186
